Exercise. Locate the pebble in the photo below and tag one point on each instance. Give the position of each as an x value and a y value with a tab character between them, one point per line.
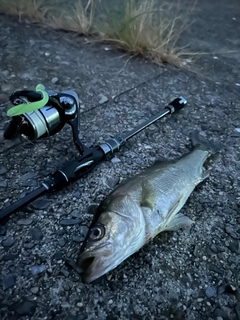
40	204
112	182
113	286
34	290
214	248
5	73
3	183
75	213
103	98
37	269
30	183
3	170
111	114
64	272
27	176
4	97
54	80
36	234
210	292
25	222
8	281
220	313
234	246
215	269
8	242
6	87
77	239
221	289
83	230
58	255
60	232
26	76
115	160
229	230
28	245
61	242
25	308
69	222
196	250
9	256
2	231
138	160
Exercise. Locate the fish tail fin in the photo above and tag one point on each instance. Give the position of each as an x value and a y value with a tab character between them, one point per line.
198	141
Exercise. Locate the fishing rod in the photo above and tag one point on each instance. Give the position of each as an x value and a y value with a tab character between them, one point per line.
38	114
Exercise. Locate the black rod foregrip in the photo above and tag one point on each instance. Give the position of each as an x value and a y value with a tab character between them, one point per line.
75	169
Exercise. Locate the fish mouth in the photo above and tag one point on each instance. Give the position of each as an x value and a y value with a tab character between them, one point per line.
93	264
93	268
86	263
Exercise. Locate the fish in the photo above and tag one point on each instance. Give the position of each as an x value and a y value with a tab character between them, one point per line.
142	207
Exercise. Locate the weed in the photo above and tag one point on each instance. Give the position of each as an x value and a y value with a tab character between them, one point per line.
139	27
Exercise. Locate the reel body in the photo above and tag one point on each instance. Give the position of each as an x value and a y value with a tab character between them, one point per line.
46	121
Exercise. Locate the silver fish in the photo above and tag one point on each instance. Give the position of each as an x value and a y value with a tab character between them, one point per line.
141	208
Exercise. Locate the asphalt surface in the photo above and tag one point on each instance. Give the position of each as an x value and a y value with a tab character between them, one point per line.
188	274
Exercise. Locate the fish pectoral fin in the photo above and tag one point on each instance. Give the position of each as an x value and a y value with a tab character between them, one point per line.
205	174
178	221
148	196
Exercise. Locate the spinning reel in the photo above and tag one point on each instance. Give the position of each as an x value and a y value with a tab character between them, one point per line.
39	114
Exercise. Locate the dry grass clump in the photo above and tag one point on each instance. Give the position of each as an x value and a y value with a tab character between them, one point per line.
139	27
74	16
145	28
34	9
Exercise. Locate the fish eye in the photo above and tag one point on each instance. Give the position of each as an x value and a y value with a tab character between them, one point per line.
97	233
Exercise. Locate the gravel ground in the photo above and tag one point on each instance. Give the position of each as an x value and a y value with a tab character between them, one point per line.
190	274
